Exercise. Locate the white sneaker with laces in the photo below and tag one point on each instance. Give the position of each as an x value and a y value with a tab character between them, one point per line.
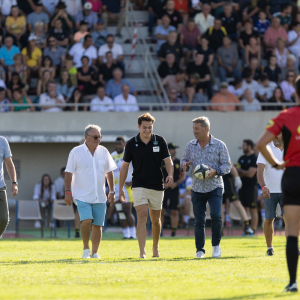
95	255
86	253
37	224
216	251
200	254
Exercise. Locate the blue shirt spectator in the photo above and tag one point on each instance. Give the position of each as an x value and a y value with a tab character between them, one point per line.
261	26
38	16
99	35
88	16
8	51
162	31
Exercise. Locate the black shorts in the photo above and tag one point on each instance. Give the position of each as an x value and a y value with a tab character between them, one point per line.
171	201
290	186
229	191
248	196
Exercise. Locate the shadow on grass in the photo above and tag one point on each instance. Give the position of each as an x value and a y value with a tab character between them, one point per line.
253	296
125	260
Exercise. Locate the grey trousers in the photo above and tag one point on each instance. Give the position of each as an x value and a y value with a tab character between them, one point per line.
120	18
4	214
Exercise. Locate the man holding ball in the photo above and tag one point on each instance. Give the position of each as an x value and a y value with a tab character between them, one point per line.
207	150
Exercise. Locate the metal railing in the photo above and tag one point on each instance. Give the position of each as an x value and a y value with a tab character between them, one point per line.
144	56
151	106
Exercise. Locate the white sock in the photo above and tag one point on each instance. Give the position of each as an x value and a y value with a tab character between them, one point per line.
132	231
263	213
270	248
186	219
227	218
126	232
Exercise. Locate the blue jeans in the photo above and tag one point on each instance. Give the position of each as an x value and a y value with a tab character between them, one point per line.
199	200
223	73
151	22
271	205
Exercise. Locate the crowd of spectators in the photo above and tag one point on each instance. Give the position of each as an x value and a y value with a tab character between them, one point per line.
209	51
62	52
227	52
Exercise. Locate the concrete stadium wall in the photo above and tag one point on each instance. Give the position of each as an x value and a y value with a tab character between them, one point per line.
39	158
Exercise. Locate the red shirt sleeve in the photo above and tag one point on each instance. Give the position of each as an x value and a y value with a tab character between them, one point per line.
275	125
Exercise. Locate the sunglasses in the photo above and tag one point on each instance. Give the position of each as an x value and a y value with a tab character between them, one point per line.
96	137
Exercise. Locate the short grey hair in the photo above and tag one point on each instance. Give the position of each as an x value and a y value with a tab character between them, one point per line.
88	128
39	23
204	121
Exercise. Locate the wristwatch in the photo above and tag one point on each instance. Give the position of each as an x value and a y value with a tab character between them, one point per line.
15	182
112	192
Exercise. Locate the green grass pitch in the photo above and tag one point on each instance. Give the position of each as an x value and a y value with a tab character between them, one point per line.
53	269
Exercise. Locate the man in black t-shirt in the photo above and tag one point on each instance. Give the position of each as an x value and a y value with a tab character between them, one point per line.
247	168
215	35
174	15
171	195
168	67
147	151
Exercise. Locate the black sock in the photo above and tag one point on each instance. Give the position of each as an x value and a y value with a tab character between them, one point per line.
77	230
246	223
174	229
292	254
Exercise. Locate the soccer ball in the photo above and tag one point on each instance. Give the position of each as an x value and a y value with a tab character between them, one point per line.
201	171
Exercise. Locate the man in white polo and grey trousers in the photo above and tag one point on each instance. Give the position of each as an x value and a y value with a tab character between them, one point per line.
270	181
5	155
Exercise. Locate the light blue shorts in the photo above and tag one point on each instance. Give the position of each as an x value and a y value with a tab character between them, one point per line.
271	205
95	211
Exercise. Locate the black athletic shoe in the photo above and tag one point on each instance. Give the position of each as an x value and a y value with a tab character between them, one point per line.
248	230
173	233
270	252
77	235
291	287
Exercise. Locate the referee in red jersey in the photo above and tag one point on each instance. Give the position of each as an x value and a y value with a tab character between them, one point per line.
288	122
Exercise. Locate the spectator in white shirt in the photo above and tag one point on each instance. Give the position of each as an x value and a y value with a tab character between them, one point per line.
126	98
5	6
73	7
91	165
59	184
49	100
102	98
250	103
84	49
204	20
266	88
250	83
45	193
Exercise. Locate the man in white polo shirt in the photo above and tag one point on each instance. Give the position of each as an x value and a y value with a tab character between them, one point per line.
88	166
101	98
110	46
48	101
270	181
126	98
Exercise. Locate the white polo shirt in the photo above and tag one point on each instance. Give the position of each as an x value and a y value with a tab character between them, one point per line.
127	108
109	105
116	50
46	99
77	51
89	173
272	176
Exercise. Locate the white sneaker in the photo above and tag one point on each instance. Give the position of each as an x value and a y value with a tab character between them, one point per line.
216	251
86	253
95	255
200	254
37	224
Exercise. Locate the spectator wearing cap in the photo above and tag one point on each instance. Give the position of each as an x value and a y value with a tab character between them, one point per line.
189	38
215	35
201	68
99	34
171	46
38	16
162	31
106	69
88	16
48	101
174	15
101	98
84	49
126	98
61	36
254	68
228	56
204	19
224	96
168	67
114	10
113	87
249	102
8	51
174	98
191	96
294	40
116	50
250	83
272	34
176	82
61	13
4	102
15	25
55	52
83	31
32	57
